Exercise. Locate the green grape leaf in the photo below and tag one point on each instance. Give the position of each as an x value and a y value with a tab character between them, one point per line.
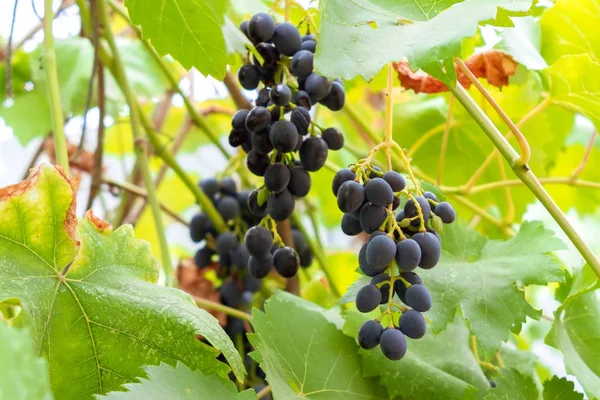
440	367
18	115
181	383
485	278
359	37
305	356
571	27
510	384
24	375
574	84
190	31
576	332
523	42
89	294
560	389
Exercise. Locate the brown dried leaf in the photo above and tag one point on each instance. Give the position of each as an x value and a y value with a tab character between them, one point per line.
192	281
84	161
493	65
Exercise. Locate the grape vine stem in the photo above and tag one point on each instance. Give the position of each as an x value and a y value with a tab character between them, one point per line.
49	62
522	171
139	147
211	305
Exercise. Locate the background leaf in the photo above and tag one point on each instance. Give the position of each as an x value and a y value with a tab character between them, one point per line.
24	375
181	383
102	319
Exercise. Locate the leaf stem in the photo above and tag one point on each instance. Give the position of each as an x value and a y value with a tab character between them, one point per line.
139	147
263	392
577	171
444	147
49	62
524	173
211	305
389	116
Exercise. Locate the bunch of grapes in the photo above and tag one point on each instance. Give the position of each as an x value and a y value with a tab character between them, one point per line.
275	134
368	198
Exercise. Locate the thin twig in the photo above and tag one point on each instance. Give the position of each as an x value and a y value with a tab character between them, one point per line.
35	157
577	171
9	87
566	180
98	154
49	62
211	305
138	191
263	392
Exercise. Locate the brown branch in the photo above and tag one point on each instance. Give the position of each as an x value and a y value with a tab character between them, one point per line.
236	94
577	171
98	154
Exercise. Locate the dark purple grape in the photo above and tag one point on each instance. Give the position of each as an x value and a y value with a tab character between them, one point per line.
408	254
317	86
202	257
371	217
261	143
249	77
258	241
412	324
258	119
302	99
395	180
287	39
210	187
343	175
301	64
336	98
281	94
379	192
393	344
239	119
240	256
244	28
261	27
301	119
418	297
225	242
430	196
238	137
446	212
198	227
350	225
228	207
230	296
281	205
368	298
334	138
300	182
286	262
263	97
350	196
284	136
277	177
410	209
313	153
309	45
381	251
260	267
411	278
228	186
430	249
257	163
369	334
308	36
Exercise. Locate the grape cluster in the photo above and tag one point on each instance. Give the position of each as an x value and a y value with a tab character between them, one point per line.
368	198
283	150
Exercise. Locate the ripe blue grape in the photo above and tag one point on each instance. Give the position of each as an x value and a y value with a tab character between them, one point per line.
228	207
385	288
301	64
430	249
317	86
412	324
379	192
410	209
198	227
368	298
395	180
249	76
371	217
408	254
350	196
260	266
336	98
258	119
261	27
283	135
350	225
340	177
411	278
286	39
286	262
381	251
277	177
334	138
281	94
446	212
418	297
369	334
281	205
313	153
300	182
202	257
255	209
393	344
258	241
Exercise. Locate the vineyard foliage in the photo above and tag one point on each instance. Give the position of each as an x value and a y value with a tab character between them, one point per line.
103	295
